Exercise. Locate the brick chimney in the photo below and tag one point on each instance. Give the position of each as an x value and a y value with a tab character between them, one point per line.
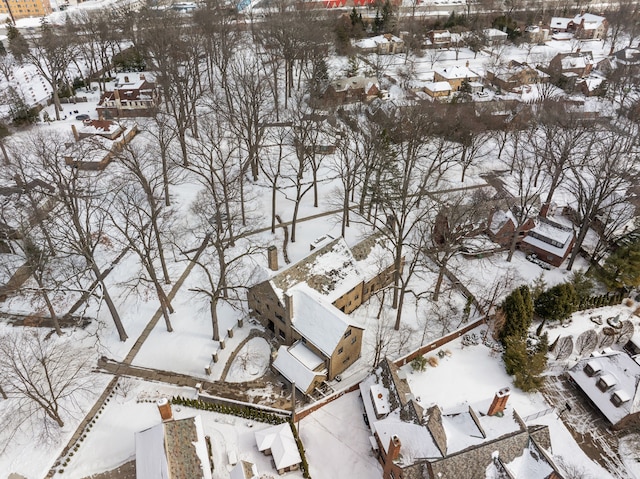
272	258
544	210
393	453
75	133
164	406
499	402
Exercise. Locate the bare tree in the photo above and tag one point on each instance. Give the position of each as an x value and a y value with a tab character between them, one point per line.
586	342
600	183
43	379
563	348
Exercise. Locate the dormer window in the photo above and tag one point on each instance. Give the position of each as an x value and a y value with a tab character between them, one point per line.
592	368
619	397
606	382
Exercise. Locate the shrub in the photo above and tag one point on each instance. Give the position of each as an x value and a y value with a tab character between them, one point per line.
419	364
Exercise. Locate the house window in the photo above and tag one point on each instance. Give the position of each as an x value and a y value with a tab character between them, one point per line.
281	333
353	341
280	317
340	350
347	334
346	360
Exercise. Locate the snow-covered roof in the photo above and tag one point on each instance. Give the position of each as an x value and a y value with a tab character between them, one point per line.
373	42
295	362
576	60
499	219
494	33
456	72
438	86
354	83
530	464
100	127
591	21
317	320
330	269
380	397
416	440
244	470
618	371
555	239
560	23
163	453
282	444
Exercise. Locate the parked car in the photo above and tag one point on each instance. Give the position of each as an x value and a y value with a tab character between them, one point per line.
82	117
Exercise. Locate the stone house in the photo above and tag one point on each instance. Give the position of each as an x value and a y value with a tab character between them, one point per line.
410	441
350	90
306	306
97	142
439	38
441	89
515	75
129	99
386	44
455	76
611	382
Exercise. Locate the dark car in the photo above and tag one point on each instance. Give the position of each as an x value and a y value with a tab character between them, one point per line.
82	117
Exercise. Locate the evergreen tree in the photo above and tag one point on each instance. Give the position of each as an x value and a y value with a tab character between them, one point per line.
18	46
525	362
582	284
518	311
556	304
622	268
3	50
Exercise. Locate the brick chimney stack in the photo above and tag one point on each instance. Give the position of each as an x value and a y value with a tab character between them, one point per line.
393	453
544	211
164	406
499	402
272	258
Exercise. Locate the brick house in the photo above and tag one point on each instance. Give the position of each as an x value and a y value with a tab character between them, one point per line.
588	26
386	44
439	38
571	65
410	441
550	241
306	306
515	75
502	227
129	99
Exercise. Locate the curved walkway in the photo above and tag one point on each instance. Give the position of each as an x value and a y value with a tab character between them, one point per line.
254	333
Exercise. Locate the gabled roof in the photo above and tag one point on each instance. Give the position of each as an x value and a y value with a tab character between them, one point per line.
297	363
560	23
318	321
172	450
616	369
330	269
244	470
550	237
591	21
455	72
282	444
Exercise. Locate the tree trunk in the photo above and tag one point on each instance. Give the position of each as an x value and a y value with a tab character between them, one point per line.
436	291
294	221
399	311
110	304
214	319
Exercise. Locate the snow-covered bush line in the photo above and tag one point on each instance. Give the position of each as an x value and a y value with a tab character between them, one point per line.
243	412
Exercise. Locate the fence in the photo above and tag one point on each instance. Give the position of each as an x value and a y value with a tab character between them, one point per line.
323	402
544	412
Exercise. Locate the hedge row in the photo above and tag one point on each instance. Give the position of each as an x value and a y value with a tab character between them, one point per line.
240	411
304	465
599	301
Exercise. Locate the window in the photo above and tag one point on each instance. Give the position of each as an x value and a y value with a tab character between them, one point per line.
347	334
353	341
280	317
340	350
346	360
281	333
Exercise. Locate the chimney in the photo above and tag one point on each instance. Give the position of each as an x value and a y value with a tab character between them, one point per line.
578	50
394	448
75	133
272	258
142	76
467	64
499	402
544	211
392	455
288	305
126	79
164	406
